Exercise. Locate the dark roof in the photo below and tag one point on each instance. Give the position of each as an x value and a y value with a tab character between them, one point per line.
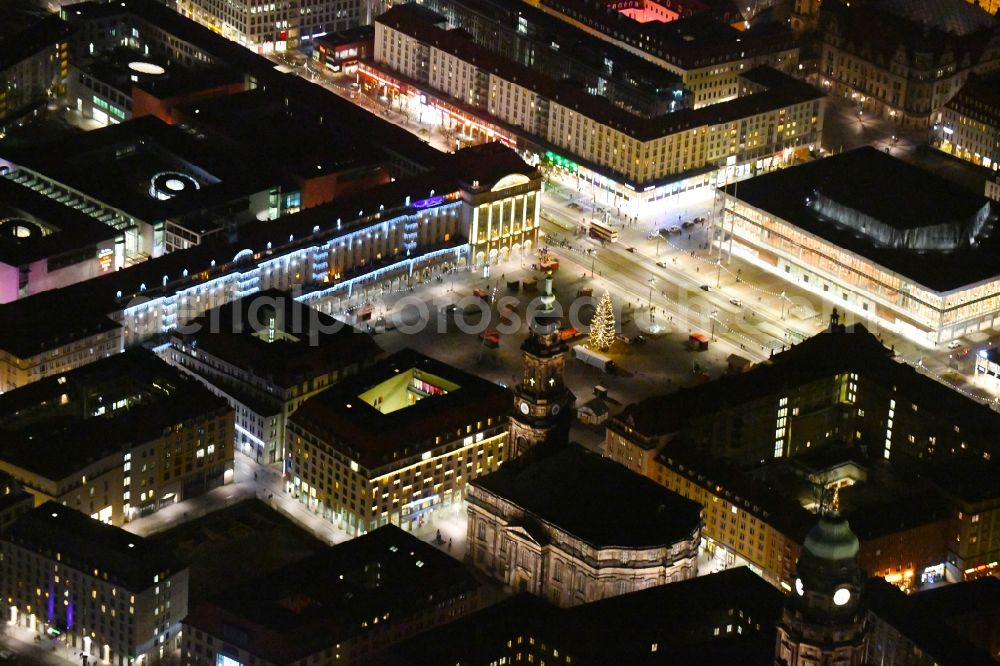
979	98
680	618
281	132
381	135
414	23
85	544
112	67
919	623
688	42
966	479
347	36
340	418
131	153
48	426
583	493
575	46
318	343
29	41
876	519
688	607
857	179
67	229
331	597
881	32
958	601
953	16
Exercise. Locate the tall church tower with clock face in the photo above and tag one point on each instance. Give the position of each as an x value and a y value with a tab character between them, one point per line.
541	399
822	622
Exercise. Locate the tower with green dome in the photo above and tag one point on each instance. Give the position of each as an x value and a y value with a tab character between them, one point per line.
822	622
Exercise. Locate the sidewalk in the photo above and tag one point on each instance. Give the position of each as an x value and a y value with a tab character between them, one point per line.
267	485
48	652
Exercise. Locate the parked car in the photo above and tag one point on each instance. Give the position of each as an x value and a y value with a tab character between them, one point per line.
675	230
699	220
630	249
661	264
490	338
568	333
954	344
705	287
687	225
737	302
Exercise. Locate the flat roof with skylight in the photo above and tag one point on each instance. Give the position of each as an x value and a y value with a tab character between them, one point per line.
405	404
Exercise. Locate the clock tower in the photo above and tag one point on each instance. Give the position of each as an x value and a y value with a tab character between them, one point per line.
821	624
541	399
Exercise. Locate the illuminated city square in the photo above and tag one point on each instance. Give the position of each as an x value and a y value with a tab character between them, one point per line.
437	332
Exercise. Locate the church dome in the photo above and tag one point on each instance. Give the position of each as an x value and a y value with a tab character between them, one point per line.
831	539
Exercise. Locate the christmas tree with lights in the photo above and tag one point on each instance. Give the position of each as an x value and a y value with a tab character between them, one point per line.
602	326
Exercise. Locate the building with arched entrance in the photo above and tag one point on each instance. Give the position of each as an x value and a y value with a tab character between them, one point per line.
566	524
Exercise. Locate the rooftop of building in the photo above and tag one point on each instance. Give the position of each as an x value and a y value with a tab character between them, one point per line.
55	426
88	545
920	622
959	600
968	480
27	33
332	597
124	68
271	335
351	418
575	45
347	36
680	618
35	227
417	25
59	316
382	136
582	493
905	31
690	42
279	131
917	207
822	356
979	98
952	16
881	514
119	165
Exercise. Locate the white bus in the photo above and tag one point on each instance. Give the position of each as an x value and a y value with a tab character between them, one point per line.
603	232
596	359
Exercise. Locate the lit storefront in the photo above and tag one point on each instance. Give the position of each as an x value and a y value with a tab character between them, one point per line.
628	159
930	283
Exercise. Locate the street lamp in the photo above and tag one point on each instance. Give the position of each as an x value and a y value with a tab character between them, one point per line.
711	318
649	303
